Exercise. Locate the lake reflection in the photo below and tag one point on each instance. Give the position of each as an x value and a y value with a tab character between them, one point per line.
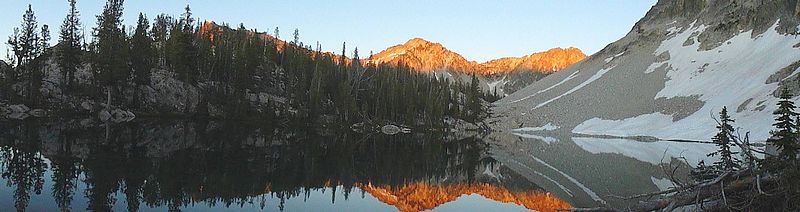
78	165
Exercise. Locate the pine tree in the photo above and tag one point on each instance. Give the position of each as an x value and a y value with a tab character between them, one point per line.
342	61
142	55
44	42
160	32
724	140
786	132
357	71
27	46
182	49
474	99
315	95
296	36
111	47
142	52
69	52
36	71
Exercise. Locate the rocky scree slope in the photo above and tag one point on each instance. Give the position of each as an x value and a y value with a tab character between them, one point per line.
677	67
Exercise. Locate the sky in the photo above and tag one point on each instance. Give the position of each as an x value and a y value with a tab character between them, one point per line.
480	30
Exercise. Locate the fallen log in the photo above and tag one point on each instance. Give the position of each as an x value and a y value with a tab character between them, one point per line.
727	183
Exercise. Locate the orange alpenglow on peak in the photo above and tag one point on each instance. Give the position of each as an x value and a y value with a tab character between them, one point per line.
420	196
552	60
426	56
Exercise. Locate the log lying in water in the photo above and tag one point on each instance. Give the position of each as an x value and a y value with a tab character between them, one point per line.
716	189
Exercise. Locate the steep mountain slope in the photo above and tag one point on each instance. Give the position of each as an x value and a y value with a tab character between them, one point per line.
506	74
677	67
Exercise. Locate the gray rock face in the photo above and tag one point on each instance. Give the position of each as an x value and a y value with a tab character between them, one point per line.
165	94
652	82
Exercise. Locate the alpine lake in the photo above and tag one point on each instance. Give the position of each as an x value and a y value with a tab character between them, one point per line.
191	165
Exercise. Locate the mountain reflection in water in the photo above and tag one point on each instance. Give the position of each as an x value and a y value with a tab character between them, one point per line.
178	165
425	196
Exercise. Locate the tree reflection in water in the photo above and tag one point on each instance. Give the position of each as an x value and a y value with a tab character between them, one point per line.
175	164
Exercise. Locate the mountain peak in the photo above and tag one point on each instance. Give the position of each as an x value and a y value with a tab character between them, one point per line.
414	42
427	56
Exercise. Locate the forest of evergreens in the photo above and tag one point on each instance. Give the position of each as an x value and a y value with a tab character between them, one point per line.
236	73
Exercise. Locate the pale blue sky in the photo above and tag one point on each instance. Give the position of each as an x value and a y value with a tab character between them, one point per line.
479	30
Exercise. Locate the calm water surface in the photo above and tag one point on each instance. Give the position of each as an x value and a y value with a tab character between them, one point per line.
178	165
173	165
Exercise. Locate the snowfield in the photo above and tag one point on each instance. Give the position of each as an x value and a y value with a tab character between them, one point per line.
729	75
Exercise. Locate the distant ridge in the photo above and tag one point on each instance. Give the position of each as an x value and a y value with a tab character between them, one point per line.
426	56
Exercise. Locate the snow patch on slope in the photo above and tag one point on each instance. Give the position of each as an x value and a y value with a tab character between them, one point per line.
594	77
725	76
652	68
391	56
608	60
498	85
571	76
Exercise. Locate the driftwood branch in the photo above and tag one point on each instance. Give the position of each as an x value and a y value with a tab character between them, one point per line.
728	183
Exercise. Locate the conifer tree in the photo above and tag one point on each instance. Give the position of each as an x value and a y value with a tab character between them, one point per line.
111	47
342	61
142	55
724	140
786	133
44	42
25	41
356	71
26	45
474	102
183	51
160	32
296	36
142	52
36	71
69	52
315	95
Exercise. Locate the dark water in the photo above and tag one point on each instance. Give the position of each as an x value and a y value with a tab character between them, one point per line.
149	165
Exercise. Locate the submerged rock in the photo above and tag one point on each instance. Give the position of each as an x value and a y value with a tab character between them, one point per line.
38	113
393	129
390	129
18	116
104	115
87	105
20	108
